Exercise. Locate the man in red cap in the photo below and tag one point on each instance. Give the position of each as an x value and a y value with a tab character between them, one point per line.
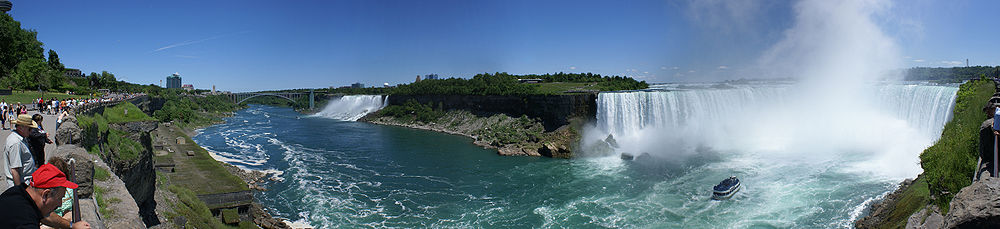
24	206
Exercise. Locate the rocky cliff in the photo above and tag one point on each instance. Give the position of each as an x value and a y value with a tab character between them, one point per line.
137	173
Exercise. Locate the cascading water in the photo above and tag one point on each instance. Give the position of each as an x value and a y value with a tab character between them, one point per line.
352	107
899	122
794	153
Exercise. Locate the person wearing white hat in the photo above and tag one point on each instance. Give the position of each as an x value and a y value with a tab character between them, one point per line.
18	163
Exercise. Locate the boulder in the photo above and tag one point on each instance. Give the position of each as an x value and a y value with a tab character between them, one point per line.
976	206
627	156
68	133
611	141
986	146
927	218
556	150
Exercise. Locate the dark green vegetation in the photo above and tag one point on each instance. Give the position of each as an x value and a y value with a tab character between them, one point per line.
952	75
412	111
119	146
522	129
194	110
950	163
502	83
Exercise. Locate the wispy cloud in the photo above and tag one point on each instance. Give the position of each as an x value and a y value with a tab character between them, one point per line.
919	60
723	67
186	56
191	42
675	68
572	67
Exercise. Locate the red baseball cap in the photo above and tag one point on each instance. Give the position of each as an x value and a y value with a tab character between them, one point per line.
48	176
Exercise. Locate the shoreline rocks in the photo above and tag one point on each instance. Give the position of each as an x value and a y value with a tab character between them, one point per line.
880	210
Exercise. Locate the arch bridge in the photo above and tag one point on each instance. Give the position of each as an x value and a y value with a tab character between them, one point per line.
239	98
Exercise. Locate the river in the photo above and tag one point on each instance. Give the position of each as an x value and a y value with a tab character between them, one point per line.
334	173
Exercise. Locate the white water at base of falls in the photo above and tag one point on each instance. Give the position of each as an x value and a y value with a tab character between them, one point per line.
352	107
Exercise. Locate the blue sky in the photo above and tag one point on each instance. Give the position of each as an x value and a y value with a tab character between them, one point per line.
258	45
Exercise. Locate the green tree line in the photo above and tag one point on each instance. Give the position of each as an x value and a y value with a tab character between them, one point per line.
502	83
954	74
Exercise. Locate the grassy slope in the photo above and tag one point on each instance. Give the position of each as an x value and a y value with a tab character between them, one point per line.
116	114
950	162
192	172
29	96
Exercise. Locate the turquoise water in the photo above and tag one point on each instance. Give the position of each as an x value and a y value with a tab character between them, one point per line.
349	174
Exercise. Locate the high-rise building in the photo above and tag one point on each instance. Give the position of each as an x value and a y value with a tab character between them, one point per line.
174	81
357	85
431	77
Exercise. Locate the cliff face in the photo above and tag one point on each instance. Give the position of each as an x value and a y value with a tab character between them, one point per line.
553	110
137	173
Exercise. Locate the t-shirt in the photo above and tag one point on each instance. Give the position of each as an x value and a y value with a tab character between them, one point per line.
17	156
19	210
67	204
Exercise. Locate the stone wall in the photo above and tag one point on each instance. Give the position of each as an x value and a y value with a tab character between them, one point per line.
553	110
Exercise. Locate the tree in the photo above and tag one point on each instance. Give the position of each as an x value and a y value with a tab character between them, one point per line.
54	61
30	74
16	45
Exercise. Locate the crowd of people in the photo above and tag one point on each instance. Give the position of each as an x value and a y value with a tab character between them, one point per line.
33	188
35	193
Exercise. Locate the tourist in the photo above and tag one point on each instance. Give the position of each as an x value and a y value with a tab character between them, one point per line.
996	135
37	140
59	120
24	206
18	161
3	114
61	217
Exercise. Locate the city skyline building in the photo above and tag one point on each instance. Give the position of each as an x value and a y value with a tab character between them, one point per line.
174	81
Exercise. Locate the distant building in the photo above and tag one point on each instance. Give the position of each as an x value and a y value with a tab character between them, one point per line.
431	77
174	81
418	79
188	87
73	73
357	85
386	85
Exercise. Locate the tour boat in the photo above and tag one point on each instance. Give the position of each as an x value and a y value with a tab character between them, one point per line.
726	189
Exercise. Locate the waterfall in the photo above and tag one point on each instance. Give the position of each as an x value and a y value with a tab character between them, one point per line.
352	107
925	107
894	121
